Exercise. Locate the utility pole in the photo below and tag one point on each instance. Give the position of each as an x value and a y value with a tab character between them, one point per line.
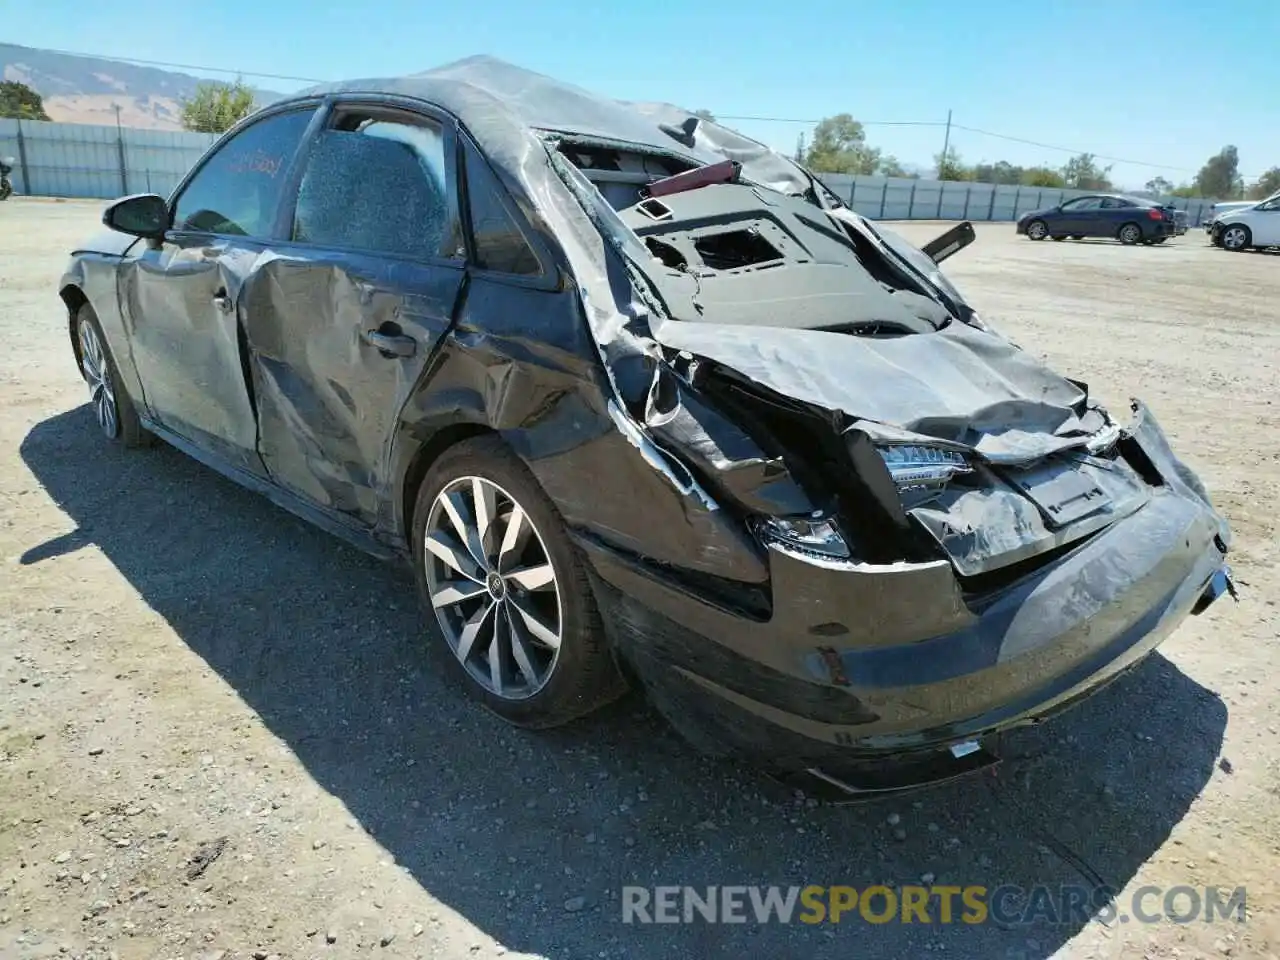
124	176
943	162
946	142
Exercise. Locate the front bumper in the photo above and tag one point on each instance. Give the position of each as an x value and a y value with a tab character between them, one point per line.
858	665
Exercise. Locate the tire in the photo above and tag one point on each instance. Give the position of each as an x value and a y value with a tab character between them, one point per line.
1077	236
536	683
1129	234
1235	237
1037	230
113	408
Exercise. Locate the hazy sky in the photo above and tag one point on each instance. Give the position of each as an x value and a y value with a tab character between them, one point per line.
1159	84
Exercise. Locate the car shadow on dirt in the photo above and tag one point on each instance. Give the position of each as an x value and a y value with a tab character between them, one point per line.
510	828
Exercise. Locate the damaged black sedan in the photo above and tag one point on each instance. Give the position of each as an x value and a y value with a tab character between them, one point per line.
643	402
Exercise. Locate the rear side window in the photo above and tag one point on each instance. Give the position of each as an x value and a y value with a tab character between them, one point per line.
380	187
499	243
237	190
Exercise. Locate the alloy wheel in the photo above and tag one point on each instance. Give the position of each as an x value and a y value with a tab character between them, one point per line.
1130	234
97	374
1037	230
1234	238
493	587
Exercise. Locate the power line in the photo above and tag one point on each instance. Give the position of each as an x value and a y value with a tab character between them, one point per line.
1050	146
187	66
865	123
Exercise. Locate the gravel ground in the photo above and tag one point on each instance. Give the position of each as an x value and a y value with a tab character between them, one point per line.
225	734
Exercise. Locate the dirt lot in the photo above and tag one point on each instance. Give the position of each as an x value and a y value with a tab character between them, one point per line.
186	669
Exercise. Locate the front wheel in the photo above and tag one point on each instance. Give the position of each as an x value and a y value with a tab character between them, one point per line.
509	593
1129	234
112	407
1236	238
1037	230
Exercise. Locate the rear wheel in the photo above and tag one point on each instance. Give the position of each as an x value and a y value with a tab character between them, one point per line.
112	407
1236	237
1129	234
1037	230
507	590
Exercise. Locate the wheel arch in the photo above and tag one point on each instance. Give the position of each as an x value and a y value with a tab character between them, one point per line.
75	299
1248	232
425	453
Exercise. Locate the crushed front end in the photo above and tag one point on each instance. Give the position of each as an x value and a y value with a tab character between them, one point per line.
879	675
956	539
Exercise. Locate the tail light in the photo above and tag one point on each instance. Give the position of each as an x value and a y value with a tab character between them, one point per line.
1155	214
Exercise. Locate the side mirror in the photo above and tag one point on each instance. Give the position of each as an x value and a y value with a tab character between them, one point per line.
141	215
951	242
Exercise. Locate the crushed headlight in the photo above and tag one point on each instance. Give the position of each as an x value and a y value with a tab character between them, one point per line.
915	467
815	534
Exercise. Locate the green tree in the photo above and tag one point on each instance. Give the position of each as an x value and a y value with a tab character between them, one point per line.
1185	190
1083	173
1042	177
216	107
890	167
1267	184
20	102
1160	186
839	145
950	166
1220	175
1002	171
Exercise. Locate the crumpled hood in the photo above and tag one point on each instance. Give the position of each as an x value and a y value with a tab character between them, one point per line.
959	384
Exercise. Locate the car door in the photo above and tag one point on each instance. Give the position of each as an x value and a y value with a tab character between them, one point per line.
342	323
1064	220
182	297
1264	222
1079	217
1113	212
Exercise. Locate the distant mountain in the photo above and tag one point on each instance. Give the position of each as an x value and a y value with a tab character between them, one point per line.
86	89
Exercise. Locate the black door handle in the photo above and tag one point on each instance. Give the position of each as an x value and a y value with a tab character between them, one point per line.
391	344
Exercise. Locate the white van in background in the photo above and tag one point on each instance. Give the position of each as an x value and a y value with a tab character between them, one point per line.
1217	210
